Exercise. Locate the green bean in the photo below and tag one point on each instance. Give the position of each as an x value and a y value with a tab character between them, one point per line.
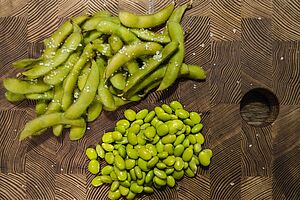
91	153
151	64
123	190
178	174
114	186
150	132
86	96
146	21
92	23
142	114
148	35
119	162
169	161
118	80
176	105
41	107
91	36
42	68
189	172
136	188
25	87
107	137
159	181
197	128
130	195
57	75
46	121
187	154
115	43
159	173
169	171
143	165
173	69
130	52
70	81
106	179
82	78
111	28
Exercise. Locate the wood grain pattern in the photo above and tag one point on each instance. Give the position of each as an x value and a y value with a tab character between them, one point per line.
243	44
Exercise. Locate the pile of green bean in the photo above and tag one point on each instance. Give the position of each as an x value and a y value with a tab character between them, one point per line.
100	62
149	149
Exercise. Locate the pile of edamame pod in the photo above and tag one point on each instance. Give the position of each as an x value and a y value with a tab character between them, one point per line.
100	62
149	149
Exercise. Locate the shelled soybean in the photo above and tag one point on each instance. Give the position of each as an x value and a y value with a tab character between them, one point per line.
149	149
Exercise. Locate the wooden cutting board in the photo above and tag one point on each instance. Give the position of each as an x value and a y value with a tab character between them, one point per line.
243	44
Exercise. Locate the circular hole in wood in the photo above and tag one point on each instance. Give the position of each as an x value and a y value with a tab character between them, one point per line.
259	107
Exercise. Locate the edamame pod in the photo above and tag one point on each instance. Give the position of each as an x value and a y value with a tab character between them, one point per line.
46	121
148	35
86	96
130	52
146	21
17	86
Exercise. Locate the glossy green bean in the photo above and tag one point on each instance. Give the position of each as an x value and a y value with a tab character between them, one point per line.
177	14
92	23
48	95
27	62
146	21
77	132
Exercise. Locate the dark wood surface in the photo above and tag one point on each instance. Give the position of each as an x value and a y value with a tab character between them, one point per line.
243	44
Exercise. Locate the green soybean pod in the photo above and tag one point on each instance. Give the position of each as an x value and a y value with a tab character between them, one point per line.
91	153
149	116
115	43
170	181
197	128
109	158
146	21
94	110
40	107
13	97
82	78
142	114
118	81
96	182
94	166
148	35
